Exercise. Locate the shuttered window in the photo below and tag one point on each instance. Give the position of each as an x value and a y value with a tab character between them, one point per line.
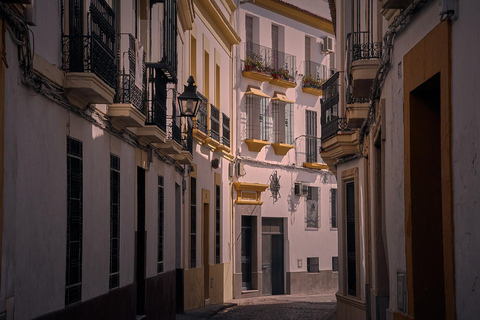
312	265
333	196
217	224
311	136
307	48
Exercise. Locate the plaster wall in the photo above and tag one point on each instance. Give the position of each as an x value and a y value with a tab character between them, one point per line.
466	167
424	21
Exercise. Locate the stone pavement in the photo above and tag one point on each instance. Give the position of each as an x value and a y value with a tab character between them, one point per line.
281	307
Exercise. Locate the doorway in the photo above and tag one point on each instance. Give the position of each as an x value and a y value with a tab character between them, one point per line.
272	256
140	243
426	201
206	251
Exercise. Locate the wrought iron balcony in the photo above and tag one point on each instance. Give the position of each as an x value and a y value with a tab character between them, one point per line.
332	127
307	150
156	100
315	74
201	122
93	52
187	140
283	66
364	47
214	123
330	87
257	58
174	131
226	130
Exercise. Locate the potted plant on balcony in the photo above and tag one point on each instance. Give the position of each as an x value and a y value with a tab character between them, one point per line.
284	74
274	73
248	63
306	81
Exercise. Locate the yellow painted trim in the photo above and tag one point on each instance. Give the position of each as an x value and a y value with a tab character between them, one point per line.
258	203
257	76
212	144
256	145
247	186
282	149
185	14
314	91
256	91
281	97
283	83
217	23
199	135
298	15
312	165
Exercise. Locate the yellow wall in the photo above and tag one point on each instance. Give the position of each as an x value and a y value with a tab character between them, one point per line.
193	291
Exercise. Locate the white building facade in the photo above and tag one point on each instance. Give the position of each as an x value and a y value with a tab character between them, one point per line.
284	227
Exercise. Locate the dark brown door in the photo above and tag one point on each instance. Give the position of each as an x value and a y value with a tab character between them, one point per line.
206	251
272	256
140	247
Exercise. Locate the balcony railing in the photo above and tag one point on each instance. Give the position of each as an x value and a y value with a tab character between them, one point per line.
283	65
93	52
330	87
307	149
333	126
173	130
315	75
156	99
364	47
257	58
226	130
187	139
351	99
201	122
214	123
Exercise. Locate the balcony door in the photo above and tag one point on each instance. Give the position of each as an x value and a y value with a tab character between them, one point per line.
75	31
311	136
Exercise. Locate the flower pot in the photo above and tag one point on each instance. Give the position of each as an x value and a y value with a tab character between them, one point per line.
248	67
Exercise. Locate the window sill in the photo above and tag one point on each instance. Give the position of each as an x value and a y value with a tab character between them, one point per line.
282	149
312	228
317	166
256	145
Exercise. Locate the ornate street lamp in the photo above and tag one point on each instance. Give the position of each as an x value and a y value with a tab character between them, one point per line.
189	100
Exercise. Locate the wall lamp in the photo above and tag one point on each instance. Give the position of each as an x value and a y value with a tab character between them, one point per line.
189	100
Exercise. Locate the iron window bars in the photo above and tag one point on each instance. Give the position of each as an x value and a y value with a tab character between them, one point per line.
128	91
193	222
95	51
333	195
312	207
73	274
258	120
201	121
312	265
161	217
217	224
311	140
363	46
330	121
214	123
226	130
156	99
114	279
282	122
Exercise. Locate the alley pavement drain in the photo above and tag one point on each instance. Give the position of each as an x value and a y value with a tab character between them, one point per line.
265	309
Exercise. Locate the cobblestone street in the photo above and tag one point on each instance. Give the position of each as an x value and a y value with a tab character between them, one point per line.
320	307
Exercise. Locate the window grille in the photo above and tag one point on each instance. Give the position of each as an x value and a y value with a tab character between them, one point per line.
282	122
114	221
226	130
334	207
201	122
312	207
351	239
311	136
73	283
312	265
214	123
258	120
334	263
161	211
193	222
217	224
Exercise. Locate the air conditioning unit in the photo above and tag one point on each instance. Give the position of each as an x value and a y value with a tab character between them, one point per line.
301	189
328	44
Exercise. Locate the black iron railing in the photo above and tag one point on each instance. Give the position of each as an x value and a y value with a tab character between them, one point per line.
332	127
214	123
257	58
283	65
364	47
307	149
226	130
174	132
201	122
156	99
330	87
128	92
93	52
187	139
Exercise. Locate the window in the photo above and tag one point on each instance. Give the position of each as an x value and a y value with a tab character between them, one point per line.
193	222
217	85
214	123
335	263
206	75
258	121
73	284
333	196
217	224
282	122
193	57
226	130
311	136
312	265
351	251
161	211
114	221
312	207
